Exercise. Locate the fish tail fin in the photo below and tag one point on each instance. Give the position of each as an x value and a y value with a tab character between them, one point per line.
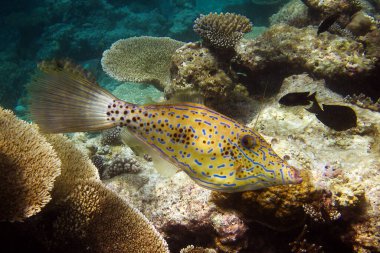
63	101
315	107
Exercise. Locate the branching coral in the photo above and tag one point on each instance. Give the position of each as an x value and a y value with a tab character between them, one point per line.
222	30
95	219
141	59
28	168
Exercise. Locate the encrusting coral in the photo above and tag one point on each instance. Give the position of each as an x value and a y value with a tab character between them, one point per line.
222	30
195	68
28	168
278	207
141	59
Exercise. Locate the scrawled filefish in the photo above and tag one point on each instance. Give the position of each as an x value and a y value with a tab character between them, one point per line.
215	151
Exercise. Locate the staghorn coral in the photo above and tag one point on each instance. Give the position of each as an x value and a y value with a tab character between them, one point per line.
93	218
76	166
141	59
28	168
222	31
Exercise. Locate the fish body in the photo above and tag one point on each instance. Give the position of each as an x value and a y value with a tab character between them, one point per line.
217	152
297	98
327	23
337	117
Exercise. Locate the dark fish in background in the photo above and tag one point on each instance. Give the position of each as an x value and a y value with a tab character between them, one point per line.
297	98
327	23
337	117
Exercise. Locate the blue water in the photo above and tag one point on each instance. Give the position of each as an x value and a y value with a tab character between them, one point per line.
31	31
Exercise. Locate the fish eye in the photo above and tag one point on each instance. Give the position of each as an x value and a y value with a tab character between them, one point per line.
248	141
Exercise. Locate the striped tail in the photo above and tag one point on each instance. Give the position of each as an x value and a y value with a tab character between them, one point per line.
61	102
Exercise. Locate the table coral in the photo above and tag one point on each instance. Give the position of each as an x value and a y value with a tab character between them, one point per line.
141	59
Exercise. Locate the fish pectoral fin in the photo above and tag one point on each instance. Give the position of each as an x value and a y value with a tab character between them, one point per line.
164	167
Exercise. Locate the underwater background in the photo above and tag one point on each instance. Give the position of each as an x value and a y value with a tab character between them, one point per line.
302	73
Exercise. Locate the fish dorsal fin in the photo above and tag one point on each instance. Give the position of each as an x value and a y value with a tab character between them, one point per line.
162	165
187	97
67	67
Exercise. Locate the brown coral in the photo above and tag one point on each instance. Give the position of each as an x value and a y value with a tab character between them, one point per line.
28	168
141	59
93	218
222	30
277	207
76	166
196	68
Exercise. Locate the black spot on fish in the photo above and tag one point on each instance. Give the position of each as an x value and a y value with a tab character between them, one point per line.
337	117
297	98
327	23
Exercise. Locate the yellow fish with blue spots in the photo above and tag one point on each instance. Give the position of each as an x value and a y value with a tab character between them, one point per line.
215	151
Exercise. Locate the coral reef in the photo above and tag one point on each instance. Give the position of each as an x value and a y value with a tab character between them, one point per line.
180	210
331	6
327	56
222	31
363	101
196	68
278	207
111	136
293	13
192	249
28	168
103	222
302	245
76	166
119	165
141	59
361	23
